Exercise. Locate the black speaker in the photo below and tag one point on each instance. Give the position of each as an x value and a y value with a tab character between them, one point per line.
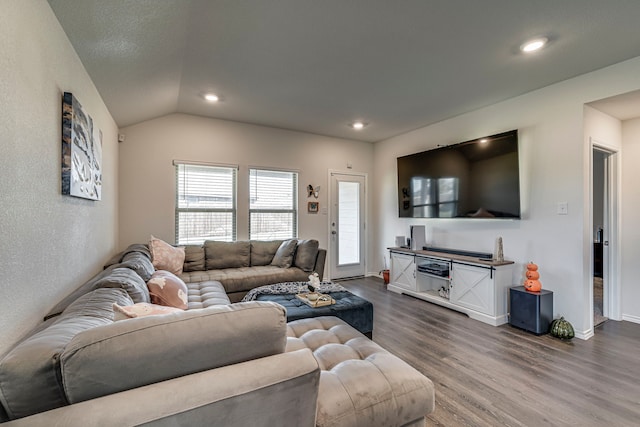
531	311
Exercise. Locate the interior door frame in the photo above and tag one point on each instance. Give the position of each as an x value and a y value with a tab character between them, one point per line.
611	260
365	243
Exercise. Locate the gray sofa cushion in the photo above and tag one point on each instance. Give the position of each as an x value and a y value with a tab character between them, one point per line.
238	281
29	376
193	258
206	294
85	288
128	280
262	252
227	254
306	254
284	256
136	247
136	257
140	263
200	340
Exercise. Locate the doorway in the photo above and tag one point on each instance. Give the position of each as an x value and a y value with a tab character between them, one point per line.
347	241
605	234
598	199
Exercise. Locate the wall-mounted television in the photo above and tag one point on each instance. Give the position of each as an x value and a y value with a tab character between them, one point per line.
473	179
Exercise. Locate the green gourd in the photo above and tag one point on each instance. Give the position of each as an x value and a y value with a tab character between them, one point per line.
562	329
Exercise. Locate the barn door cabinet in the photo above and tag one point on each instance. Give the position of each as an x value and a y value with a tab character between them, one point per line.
403	271
476	287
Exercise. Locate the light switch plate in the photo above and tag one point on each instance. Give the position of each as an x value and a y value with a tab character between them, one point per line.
563	208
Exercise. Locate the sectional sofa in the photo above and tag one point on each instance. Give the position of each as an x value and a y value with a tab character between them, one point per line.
243	265
214	363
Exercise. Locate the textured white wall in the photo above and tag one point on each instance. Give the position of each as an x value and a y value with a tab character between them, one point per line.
630	214
554	168
50	243
147	175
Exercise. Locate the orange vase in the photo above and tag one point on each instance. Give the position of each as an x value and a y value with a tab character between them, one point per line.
385	276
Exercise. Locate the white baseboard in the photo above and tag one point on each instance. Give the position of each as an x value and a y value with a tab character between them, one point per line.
584	335
630	318
590	332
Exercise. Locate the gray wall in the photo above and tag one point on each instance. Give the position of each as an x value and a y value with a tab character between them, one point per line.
147	175
50	243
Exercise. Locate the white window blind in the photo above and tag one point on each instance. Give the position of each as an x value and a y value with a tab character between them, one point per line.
273	205
205	203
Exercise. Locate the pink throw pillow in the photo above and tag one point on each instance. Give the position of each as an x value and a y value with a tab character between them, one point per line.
166	257
165	288
140	309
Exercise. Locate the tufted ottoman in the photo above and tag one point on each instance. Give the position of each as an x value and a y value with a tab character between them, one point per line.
361	384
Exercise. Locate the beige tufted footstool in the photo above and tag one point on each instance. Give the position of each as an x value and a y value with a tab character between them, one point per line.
361	384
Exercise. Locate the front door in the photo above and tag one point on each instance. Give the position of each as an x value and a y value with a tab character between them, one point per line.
347	226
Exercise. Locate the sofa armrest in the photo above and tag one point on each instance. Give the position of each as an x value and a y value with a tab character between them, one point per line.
319	267
276	390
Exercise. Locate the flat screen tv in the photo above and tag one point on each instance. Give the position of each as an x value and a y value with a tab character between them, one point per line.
473	179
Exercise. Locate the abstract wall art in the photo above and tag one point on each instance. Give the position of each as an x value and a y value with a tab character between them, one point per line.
81	152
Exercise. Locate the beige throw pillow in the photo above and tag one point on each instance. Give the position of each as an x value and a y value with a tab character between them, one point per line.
165	288
166	257
140	310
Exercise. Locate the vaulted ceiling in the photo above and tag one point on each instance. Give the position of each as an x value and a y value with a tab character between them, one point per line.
317	65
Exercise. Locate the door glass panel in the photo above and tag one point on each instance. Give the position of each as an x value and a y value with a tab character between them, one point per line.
348	221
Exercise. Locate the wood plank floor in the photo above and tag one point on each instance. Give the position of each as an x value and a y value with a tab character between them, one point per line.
502	376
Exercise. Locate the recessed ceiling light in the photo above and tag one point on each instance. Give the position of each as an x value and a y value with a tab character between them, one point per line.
484	140
358	125
211	97
533	45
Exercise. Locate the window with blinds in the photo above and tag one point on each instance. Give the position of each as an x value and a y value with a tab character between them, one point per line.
273	204
205	203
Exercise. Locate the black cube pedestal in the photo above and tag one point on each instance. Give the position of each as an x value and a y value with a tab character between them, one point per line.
531	311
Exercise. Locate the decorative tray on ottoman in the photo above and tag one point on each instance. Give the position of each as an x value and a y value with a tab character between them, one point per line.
322	300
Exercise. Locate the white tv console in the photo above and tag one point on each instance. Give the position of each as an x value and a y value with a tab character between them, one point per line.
477	287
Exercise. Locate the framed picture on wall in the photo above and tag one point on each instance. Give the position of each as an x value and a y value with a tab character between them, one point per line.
312	207
81	151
